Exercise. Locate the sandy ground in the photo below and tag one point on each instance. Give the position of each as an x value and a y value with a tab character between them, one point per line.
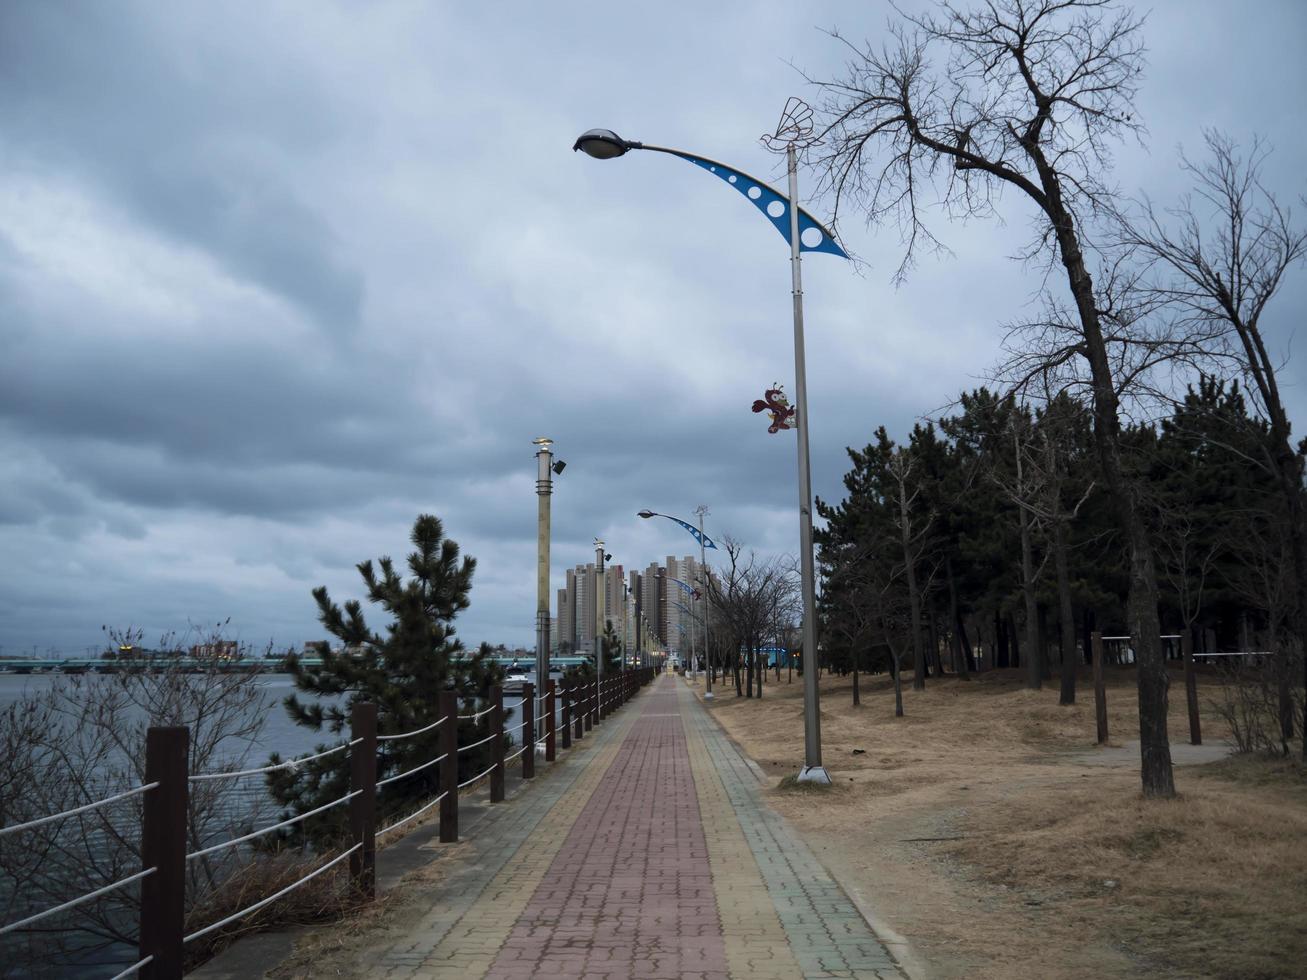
987	828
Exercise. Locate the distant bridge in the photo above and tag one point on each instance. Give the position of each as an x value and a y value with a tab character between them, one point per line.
96	665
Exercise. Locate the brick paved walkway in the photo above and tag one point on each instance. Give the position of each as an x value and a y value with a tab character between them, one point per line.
657	858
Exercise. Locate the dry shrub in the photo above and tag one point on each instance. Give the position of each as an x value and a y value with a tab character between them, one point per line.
1249	703
327	897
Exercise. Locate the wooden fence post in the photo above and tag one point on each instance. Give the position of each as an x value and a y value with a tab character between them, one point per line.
497	746
449	767
1100	692
1191	687
567	714
529	731
363	808
579	709
163	847
551	723
590	703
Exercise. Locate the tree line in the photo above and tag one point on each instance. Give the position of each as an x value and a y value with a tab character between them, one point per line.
990	530
1013	108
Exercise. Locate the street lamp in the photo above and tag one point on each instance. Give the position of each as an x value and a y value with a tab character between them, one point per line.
545	470
601	587
704	542
805	234
694	657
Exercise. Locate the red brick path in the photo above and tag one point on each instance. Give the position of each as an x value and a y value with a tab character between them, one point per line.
630	893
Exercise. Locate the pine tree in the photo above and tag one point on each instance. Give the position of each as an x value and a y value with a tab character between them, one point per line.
402	670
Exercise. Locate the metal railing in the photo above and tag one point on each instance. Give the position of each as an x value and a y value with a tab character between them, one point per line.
164	826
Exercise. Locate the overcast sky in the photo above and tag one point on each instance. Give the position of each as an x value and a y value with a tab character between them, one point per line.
277	277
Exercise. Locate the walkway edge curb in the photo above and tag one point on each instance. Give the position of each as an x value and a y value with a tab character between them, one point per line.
898	944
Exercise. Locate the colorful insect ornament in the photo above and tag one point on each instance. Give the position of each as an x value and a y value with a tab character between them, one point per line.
776	405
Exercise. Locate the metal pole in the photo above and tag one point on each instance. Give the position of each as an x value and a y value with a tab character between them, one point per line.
641	651
625	652
708	695
813	771
599	623
544	487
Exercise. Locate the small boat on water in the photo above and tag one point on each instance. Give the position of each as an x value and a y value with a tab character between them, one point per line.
514	678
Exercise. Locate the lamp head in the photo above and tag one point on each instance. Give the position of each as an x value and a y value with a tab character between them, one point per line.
558	467
603	144
646	514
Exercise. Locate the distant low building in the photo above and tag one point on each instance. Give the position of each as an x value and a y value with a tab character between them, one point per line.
216	650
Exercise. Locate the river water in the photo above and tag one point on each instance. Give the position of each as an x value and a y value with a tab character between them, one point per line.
278	733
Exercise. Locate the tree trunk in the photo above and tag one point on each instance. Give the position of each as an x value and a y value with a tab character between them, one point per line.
895	672
935	657
1014	638
1066	624
1288	467
1044	672
1034	671
1291	485
918	654
956	631
1001	660
964	647
748	672
856	699
1154	744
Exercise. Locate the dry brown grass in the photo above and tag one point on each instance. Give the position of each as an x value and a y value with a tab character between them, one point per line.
327	898
979	827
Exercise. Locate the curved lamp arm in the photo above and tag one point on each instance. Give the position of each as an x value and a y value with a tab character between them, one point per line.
703	539
604	144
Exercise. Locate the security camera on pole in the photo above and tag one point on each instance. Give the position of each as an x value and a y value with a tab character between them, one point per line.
599	620
546	468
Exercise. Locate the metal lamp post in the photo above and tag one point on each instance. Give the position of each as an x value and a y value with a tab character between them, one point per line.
805	234
704	542
694	617
600	589
545	470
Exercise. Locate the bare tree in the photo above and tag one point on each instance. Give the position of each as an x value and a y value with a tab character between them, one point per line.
1025	487
1036	487
1223	252
744	596
913	530
853	614
1030	98
82	741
